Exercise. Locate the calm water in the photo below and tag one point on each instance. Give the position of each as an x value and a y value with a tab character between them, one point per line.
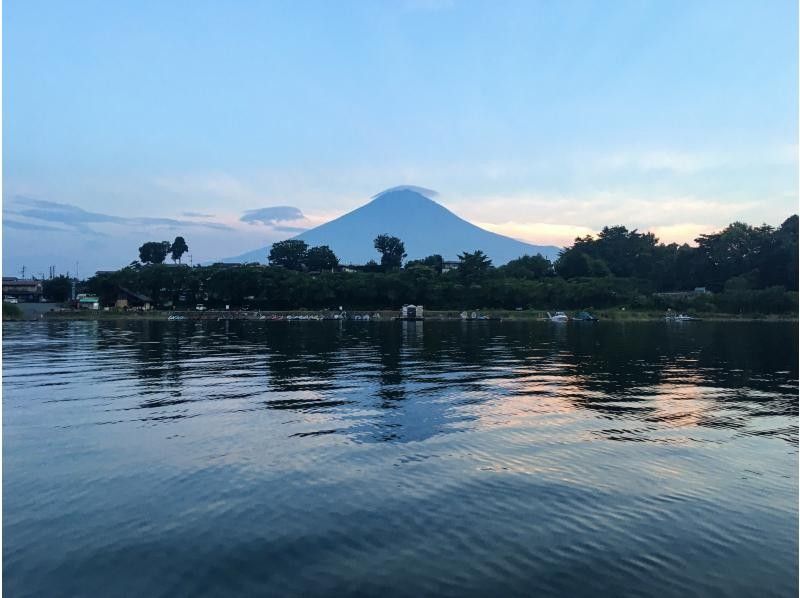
485	458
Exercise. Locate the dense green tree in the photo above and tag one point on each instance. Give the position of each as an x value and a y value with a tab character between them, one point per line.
625	253
572	263
738	249
473	267
154	252
392	251
179	247
435	262
290	254
321	258
57	289
527	266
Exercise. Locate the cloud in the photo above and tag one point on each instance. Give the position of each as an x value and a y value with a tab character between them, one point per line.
272	215
429	193
30	226
558	219
539	233
196	215
79	219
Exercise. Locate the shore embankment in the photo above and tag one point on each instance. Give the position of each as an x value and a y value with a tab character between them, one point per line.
45	311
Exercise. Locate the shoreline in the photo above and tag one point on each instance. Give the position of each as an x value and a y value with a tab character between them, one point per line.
608	315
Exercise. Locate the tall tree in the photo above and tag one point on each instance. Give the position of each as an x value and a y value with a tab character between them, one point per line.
472	267
154	252
290	254
392	251
57	289
179	247
321	258
626	253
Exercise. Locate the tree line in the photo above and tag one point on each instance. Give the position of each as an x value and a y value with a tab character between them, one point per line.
747	268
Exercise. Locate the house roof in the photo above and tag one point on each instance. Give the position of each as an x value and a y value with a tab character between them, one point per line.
135	295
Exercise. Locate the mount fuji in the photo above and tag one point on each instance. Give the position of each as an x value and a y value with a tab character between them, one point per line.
425	227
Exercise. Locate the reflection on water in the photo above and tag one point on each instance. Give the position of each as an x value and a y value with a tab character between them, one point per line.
464	458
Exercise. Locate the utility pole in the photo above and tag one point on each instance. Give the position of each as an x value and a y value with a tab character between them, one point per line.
190	261
76	270
23	271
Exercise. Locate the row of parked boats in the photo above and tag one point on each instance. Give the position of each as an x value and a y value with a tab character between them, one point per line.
559	316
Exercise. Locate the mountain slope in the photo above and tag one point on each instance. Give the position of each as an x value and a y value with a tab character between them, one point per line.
425	227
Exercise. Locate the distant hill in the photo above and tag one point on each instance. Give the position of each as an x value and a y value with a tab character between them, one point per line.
425	227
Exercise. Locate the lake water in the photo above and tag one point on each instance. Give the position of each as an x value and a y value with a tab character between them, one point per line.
436	458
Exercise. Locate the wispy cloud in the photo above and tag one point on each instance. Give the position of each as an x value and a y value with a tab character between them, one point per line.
196	215
272	215
79	220
30	226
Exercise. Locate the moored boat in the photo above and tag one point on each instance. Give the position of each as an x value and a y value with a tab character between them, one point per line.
559	316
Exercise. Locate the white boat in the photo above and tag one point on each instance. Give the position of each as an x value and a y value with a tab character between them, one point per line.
680	318
559	316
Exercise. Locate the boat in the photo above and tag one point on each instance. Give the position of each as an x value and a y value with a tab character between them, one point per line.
559	316
477	316
585	316
680	318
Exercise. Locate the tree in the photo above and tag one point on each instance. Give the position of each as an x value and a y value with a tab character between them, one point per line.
435	262
179	247
392	251
625	253
321	258
154	252
572	263
528	266
57	289
290	254
473	266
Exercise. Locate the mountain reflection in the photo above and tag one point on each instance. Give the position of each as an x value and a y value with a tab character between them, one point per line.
405	381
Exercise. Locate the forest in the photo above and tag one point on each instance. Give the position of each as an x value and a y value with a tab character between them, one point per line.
741	269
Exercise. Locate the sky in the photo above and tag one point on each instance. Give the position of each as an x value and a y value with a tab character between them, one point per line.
236	124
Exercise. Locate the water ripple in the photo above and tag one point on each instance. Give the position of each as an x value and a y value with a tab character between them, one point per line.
251	458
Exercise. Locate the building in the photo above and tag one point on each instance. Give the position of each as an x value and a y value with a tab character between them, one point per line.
411	312
22	289
447	266
84	301
127	299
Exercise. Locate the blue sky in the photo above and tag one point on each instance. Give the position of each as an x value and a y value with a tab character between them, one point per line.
129	121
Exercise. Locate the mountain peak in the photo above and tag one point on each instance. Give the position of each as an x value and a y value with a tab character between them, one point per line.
405	191
425	226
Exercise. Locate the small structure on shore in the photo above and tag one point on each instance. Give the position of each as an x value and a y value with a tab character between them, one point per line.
84	301
411	312
127	299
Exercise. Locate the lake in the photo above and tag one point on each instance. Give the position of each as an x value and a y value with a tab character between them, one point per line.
400	459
